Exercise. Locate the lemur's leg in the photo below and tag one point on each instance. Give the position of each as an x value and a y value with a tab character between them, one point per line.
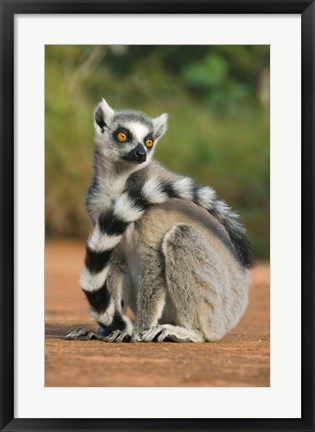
152	297
195	282
151	292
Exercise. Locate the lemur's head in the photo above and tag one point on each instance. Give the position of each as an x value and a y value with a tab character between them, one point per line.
127	137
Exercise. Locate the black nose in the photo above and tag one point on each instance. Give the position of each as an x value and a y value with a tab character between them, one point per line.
141	155
138	154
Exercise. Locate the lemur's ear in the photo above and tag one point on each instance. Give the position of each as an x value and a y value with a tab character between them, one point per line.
160	125
103	116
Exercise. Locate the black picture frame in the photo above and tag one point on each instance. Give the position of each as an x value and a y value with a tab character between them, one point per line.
11	7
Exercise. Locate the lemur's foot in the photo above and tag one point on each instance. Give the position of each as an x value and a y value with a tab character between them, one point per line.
170	333
136	337
118	336
83	334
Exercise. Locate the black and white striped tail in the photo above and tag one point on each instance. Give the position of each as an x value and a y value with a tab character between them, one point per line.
156	191
106	235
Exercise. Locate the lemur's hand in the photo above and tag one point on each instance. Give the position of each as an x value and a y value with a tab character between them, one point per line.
83	334
119	336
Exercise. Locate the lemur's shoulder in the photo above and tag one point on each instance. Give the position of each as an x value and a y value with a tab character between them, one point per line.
152	170
156	169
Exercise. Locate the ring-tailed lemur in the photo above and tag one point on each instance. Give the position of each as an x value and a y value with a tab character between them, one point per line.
161	244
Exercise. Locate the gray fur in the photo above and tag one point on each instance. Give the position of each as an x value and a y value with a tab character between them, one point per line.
131	116
175	265
191	287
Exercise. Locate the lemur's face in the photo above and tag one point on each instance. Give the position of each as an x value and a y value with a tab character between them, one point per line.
127	137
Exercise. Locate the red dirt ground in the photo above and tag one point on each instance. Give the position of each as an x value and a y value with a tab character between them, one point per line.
240	359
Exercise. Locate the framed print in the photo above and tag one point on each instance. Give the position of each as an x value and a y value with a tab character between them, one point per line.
237	82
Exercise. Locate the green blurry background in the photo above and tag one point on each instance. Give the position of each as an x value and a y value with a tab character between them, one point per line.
217	98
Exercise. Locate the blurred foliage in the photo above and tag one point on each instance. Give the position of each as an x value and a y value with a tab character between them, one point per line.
218	101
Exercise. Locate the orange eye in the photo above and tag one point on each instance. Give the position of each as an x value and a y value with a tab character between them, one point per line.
149	142
121	136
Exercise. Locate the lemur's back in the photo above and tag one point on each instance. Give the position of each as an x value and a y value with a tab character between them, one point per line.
158	220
